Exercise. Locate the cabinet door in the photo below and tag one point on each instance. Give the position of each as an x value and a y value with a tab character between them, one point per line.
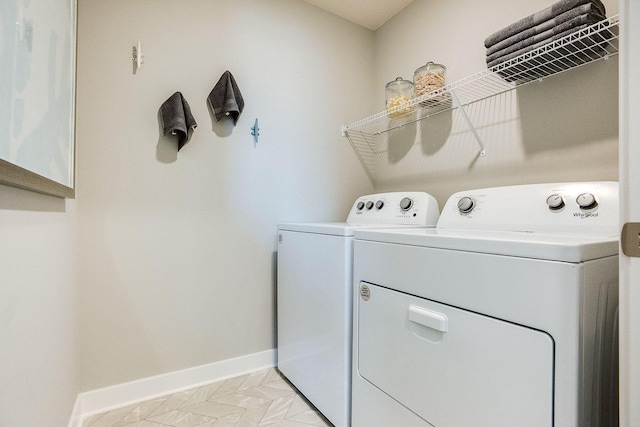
451	367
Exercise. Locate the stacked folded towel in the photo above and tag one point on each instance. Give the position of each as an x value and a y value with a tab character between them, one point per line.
547	25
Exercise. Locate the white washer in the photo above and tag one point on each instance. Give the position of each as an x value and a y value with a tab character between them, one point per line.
314	295
503	316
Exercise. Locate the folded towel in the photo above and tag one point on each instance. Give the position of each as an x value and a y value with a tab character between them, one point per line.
593	43
225	99
546	36
585	9
176	118
548	63
537	18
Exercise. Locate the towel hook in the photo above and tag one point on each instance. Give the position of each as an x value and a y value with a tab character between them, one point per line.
138	57
255	131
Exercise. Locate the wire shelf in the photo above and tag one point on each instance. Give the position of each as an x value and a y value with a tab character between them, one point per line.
369	136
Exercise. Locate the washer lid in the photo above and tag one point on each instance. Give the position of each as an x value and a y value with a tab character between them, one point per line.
331	228
553	247
337	228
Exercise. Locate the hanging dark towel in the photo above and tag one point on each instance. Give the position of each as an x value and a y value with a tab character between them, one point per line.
225	99
176	118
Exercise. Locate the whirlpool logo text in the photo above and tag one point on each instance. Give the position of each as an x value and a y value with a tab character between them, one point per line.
583	215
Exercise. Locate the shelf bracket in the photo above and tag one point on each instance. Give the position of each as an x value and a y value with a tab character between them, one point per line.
459	106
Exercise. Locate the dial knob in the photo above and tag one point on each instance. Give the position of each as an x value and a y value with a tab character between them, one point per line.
406	204
369	205
379	204
360	206
586	201
555	202
466	205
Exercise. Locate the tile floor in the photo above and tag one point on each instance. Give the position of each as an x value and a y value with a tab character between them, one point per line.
263	398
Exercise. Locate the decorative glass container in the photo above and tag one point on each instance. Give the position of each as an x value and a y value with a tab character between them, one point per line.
399	93
428	78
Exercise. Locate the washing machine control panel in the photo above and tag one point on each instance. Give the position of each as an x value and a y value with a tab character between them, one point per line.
579	207
396	208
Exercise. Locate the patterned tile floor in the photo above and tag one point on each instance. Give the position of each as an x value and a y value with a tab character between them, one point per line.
263	398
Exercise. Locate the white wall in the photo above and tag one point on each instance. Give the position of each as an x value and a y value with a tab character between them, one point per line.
563	129
177	251
38	309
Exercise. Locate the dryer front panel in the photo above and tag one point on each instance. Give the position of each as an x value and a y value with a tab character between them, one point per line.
453	367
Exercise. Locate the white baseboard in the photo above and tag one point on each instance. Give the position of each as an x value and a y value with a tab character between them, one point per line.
119	395
76	415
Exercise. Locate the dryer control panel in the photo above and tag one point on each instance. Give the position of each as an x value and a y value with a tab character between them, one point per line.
396	208
568	208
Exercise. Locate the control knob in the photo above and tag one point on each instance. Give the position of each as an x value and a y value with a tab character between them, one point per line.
586	201
406	204
466	204
360	206
369	205
555	202
379	204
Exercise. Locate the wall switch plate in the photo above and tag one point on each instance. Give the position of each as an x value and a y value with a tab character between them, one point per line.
630	239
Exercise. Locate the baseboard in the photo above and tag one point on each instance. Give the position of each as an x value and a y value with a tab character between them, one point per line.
76	414
116	396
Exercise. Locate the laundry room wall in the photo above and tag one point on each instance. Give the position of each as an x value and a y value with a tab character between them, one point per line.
38	309
177	249
562	129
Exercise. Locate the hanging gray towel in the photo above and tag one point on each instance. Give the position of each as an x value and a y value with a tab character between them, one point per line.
225	99
177	119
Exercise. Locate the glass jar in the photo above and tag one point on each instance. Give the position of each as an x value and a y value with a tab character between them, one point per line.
399	92
429	77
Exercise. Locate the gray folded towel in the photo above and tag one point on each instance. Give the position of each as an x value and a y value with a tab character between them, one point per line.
543	64
225	99
177	118
570	48
546	36
537	18
585	9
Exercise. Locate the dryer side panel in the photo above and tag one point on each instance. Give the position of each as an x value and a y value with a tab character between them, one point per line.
314	300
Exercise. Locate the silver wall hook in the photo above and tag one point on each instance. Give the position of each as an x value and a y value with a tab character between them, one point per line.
255	131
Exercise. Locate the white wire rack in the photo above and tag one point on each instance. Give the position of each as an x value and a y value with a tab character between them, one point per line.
369	137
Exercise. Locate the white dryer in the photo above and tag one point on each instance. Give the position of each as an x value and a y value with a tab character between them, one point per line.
503	316
314	295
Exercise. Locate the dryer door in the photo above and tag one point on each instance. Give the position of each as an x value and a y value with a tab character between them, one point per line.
451	367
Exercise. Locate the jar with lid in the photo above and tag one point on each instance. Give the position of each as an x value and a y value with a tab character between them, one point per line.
399	93
429	77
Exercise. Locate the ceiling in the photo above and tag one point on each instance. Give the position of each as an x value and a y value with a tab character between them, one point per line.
370	14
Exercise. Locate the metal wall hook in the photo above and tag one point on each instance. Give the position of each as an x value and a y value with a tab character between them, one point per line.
255	131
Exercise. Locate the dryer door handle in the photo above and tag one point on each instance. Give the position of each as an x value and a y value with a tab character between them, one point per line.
428	318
